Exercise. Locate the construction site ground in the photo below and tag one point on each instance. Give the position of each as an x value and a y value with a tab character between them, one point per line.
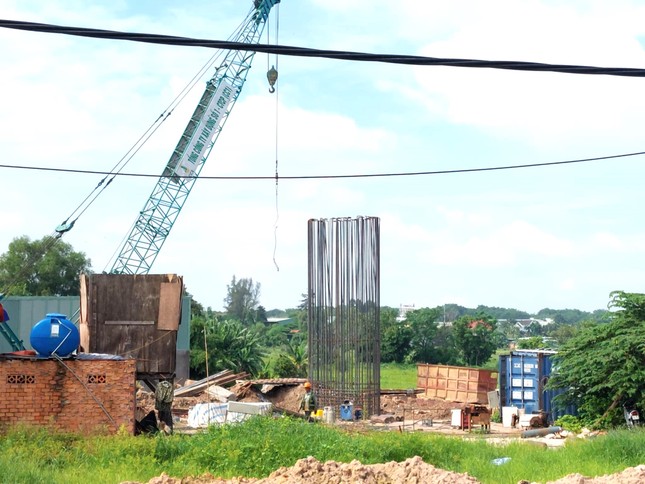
404	413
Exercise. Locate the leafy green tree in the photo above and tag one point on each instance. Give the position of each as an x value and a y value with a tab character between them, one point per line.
603	366
500	313
293	363
507	331
301	313
444	352
396	337
451	311
601	316
276	313
535	329
564	332
223	345
196	308
279	334
573	316
45	267
242	300
474	338
423	324
531	343
261	315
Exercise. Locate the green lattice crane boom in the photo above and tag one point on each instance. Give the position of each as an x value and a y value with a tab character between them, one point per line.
160	212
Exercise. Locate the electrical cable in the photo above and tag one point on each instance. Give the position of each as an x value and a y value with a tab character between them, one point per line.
292	51
322	53
357	175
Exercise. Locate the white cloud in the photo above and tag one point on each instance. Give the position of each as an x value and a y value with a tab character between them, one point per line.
499	246
607	241
537	107
567	284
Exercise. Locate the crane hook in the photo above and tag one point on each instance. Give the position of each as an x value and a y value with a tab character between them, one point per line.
272	76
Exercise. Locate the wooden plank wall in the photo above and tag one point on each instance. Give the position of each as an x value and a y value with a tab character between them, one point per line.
132	315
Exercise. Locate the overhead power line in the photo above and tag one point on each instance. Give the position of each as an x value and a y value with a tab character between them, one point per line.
330	54
356	175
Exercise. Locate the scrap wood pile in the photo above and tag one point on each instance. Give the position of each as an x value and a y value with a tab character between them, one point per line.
211	385
210	389
227	386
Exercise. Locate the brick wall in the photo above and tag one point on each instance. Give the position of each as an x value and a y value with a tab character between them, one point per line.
45	392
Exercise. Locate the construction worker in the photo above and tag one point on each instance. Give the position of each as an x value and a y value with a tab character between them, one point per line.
308	402
164	395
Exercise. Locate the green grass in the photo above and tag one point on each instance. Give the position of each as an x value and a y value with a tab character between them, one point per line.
395	376
262	445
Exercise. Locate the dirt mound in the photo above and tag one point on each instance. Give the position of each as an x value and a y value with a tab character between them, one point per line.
286	397
631	475
312	471
413	470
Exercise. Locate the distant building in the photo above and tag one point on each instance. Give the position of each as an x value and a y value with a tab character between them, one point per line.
524	324
403	310
283	320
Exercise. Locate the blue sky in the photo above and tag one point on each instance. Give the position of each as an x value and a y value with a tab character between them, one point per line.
558	237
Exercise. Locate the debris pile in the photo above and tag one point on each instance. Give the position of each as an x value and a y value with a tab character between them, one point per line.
226	386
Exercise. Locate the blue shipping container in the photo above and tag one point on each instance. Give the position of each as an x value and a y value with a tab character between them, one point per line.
523	377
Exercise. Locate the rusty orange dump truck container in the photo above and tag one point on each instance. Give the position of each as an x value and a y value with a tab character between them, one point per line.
455	383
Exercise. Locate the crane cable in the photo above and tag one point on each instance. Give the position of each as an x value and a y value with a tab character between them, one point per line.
164	116
277	209
208	65
50	240
143	139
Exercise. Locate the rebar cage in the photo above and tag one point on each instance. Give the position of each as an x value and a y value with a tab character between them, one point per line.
344	312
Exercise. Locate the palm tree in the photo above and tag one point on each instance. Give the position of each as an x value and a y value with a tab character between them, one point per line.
227	344
298	354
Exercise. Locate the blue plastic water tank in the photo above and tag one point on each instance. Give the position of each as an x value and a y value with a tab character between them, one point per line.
346	411
55	335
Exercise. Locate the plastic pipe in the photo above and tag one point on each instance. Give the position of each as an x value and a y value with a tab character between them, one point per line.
541	432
